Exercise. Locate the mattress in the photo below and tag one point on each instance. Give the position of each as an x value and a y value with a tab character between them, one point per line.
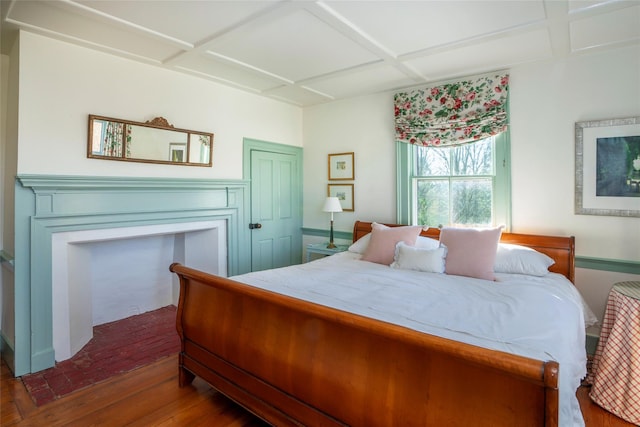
536	317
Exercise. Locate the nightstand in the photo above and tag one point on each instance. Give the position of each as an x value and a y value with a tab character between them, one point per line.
321	248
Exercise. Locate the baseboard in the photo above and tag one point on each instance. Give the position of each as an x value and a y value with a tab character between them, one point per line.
592	338
7	352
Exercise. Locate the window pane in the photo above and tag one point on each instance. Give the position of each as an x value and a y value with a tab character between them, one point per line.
432	161
473	159
432	202
471	202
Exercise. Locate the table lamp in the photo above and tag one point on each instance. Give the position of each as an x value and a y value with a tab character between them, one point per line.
331	204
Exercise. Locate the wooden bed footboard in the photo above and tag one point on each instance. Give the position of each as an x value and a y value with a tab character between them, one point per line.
292	362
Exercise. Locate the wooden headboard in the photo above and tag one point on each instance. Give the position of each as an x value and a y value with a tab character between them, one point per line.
560	248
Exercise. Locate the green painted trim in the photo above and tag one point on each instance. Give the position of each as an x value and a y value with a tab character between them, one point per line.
342	235
619	266
502	187
48	204
250	145
502	184
591	343
404	200
79	182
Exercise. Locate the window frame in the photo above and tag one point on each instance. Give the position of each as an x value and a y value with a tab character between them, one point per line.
501	188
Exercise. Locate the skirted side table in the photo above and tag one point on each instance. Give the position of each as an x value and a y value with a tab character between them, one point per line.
615	373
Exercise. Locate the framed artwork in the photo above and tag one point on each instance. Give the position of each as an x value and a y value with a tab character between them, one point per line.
341	166
344	193
177	152
608	167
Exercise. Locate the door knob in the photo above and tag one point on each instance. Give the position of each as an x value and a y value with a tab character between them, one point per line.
255	225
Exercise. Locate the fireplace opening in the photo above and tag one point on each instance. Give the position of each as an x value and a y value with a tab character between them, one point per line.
104	275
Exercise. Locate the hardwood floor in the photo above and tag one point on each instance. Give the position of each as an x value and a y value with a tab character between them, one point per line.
150	396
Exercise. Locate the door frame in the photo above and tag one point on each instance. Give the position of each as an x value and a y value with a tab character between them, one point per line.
249	145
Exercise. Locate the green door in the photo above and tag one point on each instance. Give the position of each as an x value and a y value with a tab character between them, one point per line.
276	210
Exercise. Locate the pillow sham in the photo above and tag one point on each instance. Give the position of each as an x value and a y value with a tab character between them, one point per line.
517	259
471	252
360	245
382	244
413	258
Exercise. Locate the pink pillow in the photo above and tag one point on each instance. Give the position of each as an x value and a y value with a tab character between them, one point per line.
471	251
382	245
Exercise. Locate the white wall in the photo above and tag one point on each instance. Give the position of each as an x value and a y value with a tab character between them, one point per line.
546	99
61	84
364	126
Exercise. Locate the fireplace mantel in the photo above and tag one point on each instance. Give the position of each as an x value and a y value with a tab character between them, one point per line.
47	204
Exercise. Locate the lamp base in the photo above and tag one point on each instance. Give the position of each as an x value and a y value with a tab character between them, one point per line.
331	245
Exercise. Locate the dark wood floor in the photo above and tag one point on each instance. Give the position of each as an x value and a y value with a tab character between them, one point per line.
150	396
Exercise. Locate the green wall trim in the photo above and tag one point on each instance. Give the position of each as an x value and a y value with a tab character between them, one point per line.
619	266
47	204
344	235
591	343
249	144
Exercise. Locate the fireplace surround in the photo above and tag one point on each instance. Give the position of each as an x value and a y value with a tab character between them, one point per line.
48	206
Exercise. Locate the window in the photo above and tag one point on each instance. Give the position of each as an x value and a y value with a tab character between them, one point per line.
463	185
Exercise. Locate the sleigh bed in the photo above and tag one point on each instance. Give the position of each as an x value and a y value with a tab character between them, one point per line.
343	360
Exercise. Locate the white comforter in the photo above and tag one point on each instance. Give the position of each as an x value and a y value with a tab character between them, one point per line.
537	317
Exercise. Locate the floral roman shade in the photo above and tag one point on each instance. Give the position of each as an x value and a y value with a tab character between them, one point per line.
114	135
454	113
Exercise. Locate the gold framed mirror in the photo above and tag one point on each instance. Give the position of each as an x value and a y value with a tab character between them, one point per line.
155	141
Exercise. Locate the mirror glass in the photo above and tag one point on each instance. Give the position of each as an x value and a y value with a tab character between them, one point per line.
155	141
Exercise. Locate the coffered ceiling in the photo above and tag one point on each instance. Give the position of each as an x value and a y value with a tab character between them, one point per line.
309	52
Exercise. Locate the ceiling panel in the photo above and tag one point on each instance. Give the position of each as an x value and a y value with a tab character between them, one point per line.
212	68
583	5
409	26
190	21
298	95
368	80
295	46
64	21
494	54
616	27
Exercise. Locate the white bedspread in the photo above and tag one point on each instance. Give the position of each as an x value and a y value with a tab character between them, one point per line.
537	317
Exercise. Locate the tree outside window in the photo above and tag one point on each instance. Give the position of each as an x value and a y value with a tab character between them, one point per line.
454	185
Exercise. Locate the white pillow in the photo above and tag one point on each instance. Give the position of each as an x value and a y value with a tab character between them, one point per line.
427	243
518	259
360	245
414	258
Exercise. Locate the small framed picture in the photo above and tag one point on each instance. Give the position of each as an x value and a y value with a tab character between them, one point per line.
177	152
344	193
341	166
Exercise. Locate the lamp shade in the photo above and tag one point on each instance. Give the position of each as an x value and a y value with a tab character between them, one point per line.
332	204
